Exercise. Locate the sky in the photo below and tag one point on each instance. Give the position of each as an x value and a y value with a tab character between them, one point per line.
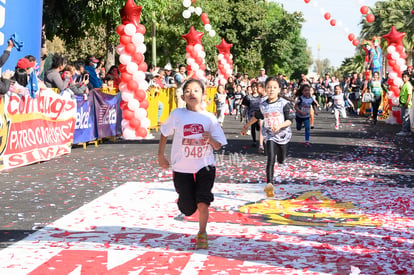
334	43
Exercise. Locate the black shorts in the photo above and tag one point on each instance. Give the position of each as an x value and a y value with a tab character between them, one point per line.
354	96
194	188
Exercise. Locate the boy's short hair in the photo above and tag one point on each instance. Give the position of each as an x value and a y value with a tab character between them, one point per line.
405	73
109	77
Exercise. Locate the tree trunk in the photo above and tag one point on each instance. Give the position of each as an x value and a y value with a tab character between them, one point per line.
110	47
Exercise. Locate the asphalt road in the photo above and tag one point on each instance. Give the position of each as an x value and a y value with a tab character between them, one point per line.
358	153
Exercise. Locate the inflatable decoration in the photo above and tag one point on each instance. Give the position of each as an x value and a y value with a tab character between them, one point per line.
225	61
195	54
133	85
396	65
199	12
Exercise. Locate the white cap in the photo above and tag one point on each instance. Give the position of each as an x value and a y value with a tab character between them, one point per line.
168	67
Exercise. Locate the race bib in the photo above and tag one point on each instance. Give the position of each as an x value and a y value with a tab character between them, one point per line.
195	148
273	119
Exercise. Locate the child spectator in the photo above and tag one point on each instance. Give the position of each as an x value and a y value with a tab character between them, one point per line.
220	99
196	133
277	114
405	97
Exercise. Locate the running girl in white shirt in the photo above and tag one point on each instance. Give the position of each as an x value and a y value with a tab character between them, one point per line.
196	133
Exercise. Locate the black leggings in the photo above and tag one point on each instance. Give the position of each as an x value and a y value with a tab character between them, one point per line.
273	151
375	107
253	128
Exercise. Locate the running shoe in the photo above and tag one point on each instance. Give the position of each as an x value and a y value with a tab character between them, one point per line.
202	241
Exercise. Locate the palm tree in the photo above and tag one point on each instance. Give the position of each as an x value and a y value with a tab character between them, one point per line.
390	13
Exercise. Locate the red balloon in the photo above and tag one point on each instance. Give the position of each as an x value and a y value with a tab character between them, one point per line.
327	16
412	12
123	105
141	29
370	18
391	62
364	9
403	55
139	95
389	56
224	47
128	114
333	22
141	132
120	30
137	57
355	42
143	67
122	68
132	85
144	104
396	68
307	1
126	77
204	18
351	37
130	48
390	81
394	36
399	48
125	39
135	123
193	37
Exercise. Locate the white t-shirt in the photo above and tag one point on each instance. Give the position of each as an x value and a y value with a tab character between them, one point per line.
189	151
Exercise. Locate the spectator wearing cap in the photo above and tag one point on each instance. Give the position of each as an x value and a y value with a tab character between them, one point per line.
262	76
21	76
168	77
53	78
5	78
94	80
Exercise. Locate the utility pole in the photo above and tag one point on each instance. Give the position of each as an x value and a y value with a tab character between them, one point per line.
319	59
154	41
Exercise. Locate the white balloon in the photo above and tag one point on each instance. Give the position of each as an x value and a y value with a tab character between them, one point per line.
145	123
140	113
198	11
123	87
212	33
404	67
130	29
190	61
226	66
200	73
198	47
119	49
207	27
390	95
322	11
339	23
186	3
395	102
395	55
393	75
138	76
128	133
391	49
195	67
125	59
202	54
315	4
400	61
138	39
220	56
133	104
346	30
191	9
124	123
127	96
186	14
131	67
143	85
141	48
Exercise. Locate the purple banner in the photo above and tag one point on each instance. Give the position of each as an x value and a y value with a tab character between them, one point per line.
85	120
106	113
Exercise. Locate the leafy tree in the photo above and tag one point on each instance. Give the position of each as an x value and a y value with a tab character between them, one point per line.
262	33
